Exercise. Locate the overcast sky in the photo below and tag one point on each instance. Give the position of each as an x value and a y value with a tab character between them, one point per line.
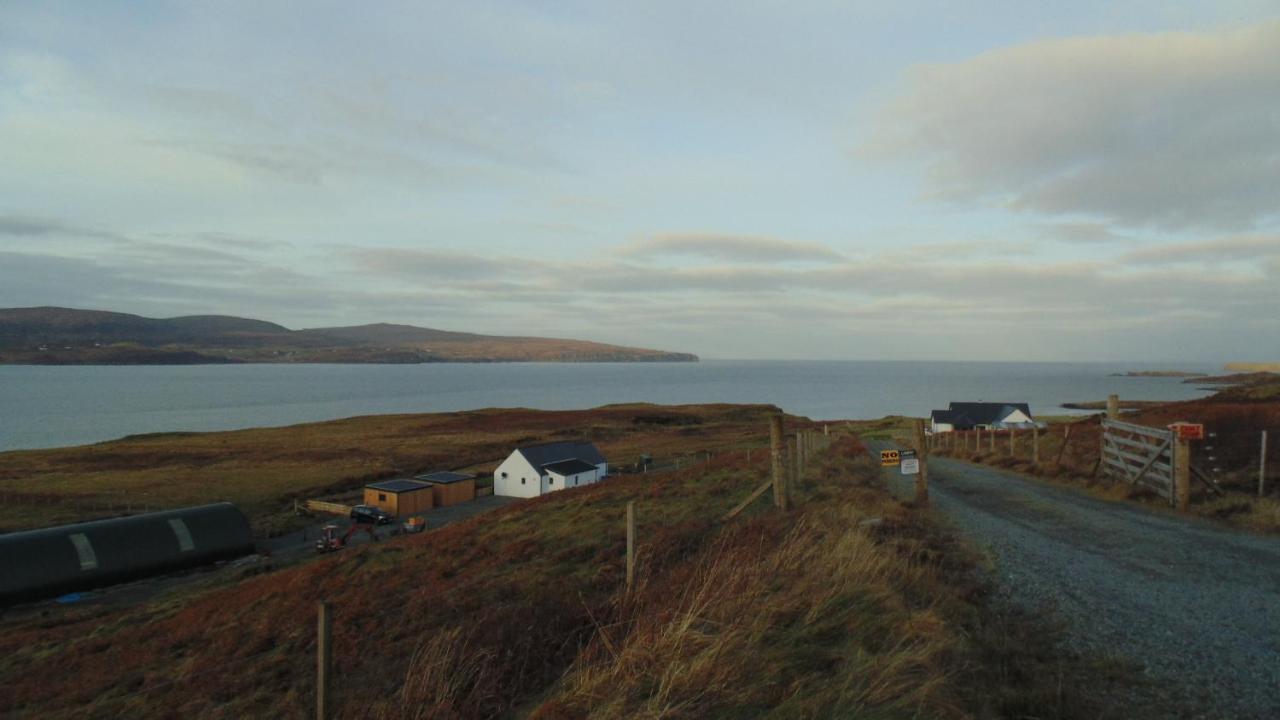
880	180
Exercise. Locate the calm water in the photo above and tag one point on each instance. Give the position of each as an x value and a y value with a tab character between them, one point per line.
54	406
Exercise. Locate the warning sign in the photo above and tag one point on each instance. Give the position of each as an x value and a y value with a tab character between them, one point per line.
888	457
911	467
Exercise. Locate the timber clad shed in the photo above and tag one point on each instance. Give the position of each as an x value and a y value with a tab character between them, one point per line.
450	488
52	561
399	497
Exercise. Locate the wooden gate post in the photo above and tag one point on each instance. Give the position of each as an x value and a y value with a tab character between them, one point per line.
1013	449
324	660
631	544
922	455
1113	407
775	454
1182	473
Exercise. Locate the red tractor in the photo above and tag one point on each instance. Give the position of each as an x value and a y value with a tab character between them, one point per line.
332	538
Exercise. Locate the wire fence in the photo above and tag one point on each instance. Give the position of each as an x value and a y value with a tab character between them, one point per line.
1241	459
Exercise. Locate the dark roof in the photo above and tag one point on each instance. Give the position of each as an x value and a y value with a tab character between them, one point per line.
942	416
569	467
548	453
398	485
984	413
444	477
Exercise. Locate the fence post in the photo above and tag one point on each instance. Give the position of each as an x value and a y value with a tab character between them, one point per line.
977	440
1066	435
1035	446
922	454
1262	467
1182	473
793	450
1013	434
1113	407
631	544
775	453
324	660
992	436
801	454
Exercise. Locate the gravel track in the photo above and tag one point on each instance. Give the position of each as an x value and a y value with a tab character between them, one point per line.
1196	605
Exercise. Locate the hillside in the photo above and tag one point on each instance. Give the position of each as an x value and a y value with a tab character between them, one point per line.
849	605
65	336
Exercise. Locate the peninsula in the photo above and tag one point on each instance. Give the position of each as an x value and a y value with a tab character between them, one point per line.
65	336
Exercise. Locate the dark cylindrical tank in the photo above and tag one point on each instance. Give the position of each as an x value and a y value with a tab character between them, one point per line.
57	560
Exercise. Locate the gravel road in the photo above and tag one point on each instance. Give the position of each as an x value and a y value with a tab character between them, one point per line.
1196	605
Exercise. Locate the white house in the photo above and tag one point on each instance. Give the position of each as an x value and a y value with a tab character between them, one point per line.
970	415
539	469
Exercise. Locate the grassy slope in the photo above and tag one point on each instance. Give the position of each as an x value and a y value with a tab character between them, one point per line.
521	611
263	470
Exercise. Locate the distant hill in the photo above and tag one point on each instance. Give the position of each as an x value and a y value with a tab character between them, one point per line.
65	336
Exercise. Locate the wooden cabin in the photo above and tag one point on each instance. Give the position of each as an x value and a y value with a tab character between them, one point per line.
450	488
402	497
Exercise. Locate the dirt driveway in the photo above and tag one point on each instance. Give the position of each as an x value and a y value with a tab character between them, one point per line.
1196	605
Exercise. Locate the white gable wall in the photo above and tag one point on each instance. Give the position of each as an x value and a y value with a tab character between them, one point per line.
1017	416
515	477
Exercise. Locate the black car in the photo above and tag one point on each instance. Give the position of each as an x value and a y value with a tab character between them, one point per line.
371	515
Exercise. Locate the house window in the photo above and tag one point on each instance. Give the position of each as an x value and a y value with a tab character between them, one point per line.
551	481
521	479
382	497
504	476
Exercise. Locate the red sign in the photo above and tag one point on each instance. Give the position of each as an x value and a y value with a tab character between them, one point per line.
1188	431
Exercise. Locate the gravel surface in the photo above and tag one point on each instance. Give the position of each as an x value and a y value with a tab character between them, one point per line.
1196	605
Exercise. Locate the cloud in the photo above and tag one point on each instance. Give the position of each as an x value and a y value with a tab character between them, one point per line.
733	248
1081	233
40	227
1170	130
420	264
1248	248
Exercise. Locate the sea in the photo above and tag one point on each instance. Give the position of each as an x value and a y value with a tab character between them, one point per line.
54	406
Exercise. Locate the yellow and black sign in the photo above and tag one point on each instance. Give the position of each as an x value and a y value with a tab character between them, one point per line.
889	457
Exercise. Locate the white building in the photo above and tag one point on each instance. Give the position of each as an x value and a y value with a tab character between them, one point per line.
539	469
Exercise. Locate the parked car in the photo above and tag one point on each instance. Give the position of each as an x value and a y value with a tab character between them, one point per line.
372	515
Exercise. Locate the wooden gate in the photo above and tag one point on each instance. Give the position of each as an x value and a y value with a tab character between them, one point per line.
1139	454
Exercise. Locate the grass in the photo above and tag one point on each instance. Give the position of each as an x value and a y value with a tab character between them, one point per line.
811	613
263	470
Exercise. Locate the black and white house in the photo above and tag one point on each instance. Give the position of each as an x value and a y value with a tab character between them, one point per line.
985	415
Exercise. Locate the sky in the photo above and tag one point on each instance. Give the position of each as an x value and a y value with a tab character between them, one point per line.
791	180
